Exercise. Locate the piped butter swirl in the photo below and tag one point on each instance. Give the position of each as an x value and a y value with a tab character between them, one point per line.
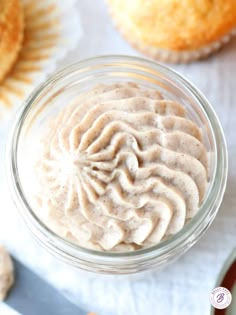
120	169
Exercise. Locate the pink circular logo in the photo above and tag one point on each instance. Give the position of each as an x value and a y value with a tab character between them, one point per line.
220	298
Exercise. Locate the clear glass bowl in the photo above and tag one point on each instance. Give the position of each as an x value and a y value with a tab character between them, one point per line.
60	90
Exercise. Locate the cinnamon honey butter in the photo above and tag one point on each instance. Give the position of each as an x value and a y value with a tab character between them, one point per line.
119	169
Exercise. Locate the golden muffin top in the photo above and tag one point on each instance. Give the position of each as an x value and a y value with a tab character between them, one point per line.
175	24
11	33
5	7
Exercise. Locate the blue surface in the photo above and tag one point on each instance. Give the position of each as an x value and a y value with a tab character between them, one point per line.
31	295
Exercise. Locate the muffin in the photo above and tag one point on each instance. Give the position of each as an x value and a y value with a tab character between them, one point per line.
11	34
6	273
175	31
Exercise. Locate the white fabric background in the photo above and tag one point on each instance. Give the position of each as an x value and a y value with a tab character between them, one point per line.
184	286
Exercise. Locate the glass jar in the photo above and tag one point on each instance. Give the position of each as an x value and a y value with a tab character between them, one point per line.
60	90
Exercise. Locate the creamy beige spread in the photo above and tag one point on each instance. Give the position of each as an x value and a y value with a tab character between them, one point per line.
6	273
120	169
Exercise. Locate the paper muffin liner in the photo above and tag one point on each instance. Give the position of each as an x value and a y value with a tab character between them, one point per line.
52	29
185	56
172	56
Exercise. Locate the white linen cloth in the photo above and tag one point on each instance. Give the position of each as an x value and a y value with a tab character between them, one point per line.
184	286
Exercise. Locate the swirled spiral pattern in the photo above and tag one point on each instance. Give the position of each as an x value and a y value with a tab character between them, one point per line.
121	168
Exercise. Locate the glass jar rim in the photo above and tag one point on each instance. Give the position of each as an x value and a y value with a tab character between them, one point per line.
215	192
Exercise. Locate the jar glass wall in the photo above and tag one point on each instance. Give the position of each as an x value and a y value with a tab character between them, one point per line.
62	89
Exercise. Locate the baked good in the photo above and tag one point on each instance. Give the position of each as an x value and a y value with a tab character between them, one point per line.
6	273
11	34
173	30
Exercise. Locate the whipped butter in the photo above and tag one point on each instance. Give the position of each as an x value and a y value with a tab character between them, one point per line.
121	168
